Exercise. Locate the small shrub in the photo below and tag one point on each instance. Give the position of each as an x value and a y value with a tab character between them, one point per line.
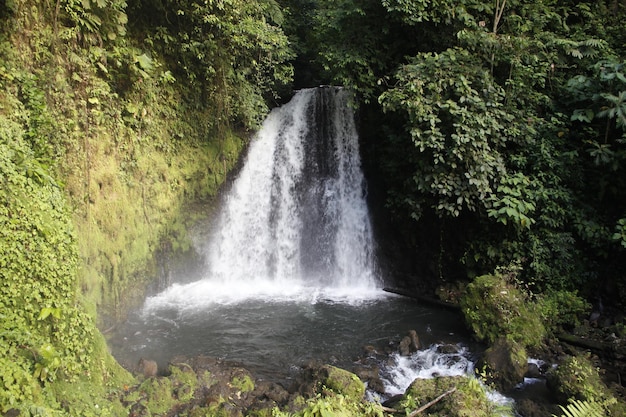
243	383
336	405
469	398
576	378
562	309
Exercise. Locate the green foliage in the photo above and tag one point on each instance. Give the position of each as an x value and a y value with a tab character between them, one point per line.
244	383
45	336
469	398
577	379
602	96
415	12
456	120
97	19
579	408
233	53
348	39
620	232
504	119
78	102
562	309
335	405
494	307
510	205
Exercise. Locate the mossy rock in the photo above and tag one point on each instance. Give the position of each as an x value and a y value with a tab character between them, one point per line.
468	398
576	377
159	395
243	383
493	306
342	382
185	382
506	363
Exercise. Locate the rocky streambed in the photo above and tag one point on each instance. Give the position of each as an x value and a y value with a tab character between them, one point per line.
392	378
386	379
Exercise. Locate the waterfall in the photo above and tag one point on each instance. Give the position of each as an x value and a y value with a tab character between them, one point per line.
295	222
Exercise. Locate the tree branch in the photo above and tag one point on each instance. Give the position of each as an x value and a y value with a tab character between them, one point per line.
498	16
431	403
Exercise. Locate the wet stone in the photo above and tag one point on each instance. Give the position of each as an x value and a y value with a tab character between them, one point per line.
409	344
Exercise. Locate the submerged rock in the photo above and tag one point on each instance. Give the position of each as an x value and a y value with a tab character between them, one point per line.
448	349
533	371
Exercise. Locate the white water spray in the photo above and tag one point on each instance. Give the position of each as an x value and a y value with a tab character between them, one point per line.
400	371
295	224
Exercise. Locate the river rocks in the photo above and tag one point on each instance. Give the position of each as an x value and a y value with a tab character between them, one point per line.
506	364
370	374
409	344
370	351
458	396
533	371
448	349
343	382
147	368
201	386
528	408
333	378
272	392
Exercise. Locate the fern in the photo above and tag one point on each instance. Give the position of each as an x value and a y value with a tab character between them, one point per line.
579	408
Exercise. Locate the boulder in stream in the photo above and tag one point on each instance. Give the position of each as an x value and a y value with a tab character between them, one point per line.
409	344
148	368
317	377
452	396
506	364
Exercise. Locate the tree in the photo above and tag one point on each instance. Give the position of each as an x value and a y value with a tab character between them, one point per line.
233	53
481	130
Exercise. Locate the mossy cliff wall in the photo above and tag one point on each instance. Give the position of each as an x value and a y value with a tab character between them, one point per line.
99	154
128	148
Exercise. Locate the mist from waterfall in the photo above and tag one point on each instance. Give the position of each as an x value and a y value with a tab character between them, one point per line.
295	224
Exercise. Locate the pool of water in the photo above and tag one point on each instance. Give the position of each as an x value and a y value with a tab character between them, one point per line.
274	336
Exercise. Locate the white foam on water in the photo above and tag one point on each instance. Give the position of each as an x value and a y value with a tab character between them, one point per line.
426	363
398	374
204	294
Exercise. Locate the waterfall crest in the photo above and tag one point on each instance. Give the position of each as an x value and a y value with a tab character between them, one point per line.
295	222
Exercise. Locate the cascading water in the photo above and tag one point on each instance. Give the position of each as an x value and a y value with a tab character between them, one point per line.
295	223
297	211
290	270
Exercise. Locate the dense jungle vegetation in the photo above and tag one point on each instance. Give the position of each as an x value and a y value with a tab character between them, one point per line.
502	129
493	135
